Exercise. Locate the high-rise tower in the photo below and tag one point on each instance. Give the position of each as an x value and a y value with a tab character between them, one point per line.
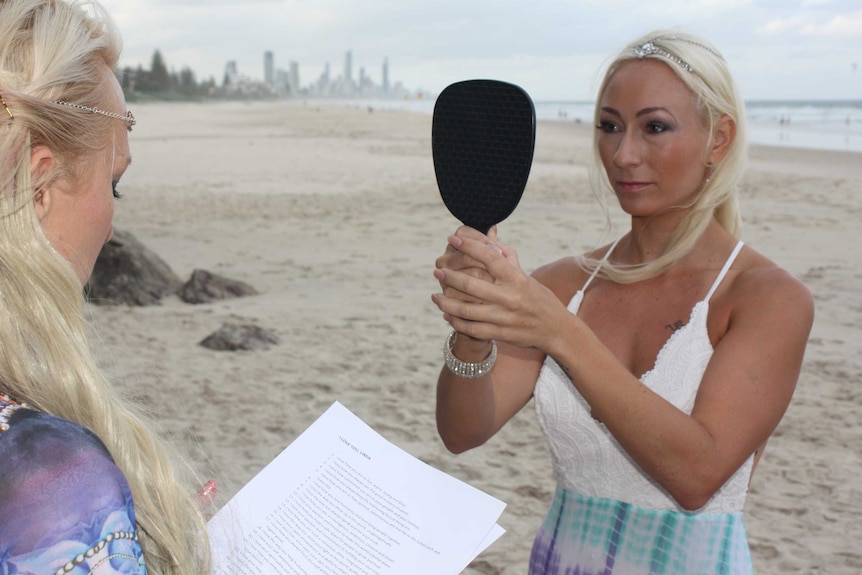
231	74
348	73
294	77
348	66
268	68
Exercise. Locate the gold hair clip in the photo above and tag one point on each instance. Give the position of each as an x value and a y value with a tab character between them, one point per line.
8	111
129	118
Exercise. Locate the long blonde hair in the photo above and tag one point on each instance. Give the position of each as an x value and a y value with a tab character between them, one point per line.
717	95
57	50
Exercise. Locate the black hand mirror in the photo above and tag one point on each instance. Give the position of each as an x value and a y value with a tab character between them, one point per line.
482	139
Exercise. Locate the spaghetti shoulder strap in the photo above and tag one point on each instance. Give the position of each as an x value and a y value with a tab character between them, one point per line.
726	267
598	267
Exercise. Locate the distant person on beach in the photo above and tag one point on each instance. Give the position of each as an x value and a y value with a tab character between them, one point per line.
85	486
660	364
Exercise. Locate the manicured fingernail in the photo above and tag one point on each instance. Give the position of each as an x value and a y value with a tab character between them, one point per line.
209	489
495	247
455	241
206	494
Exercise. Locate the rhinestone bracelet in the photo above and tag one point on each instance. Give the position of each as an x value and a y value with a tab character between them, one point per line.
464	369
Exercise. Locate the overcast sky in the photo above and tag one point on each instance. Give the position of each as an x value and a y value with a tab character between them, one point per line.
778	49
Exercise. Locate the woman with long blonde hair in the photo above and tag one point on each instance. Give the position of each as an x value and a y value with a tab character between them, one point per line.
660	364
85	487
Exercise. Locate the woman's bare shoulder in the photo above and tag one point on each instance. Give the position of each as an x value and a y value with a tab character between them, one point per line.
761	286
566	275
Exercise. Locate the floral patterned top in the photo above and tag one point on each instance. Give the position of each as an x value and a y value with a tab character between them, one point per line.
65	506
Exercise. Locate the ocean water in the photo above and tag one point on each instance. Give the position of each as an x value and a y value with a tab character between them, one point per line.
822	125
829	125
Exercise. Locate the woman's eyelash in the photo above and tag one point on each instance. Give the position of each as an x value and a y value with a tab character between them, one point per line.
658	127
653	127
117	195
607	127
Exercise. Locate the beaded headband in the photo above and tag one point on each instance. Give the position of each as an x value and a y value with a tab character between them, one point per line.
649	48
129	118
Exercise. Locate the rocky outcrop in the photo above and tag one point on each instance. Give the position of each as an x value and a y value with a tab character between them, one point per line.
128	273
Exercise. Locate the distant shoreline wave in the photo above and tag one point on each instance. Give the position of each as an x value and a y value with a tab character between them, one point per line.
814	124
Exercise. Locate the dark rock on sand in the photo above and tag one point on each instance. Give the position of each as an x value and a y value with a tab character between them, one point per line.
204	287
128	273
234	337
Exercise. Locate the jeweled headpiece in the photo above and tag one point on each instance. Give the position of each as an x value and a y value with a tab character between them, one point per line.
129	118
649	48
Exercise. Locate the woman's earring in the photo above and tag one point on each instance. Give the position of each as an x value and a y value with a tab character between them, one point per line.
709	166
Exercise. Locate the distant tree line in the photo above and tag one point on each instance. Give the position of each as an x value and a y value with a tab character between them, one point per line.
159	82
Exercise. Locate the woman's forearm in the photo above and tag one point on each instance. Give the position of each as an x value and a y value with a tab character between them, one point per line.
465	406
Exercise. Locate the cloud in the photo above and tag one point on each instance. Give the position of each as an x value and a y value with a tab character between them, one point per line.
783	25
841	26
837	26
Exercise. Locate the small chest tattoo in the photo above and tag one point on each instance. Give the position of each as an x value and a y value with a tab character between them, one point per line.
675	325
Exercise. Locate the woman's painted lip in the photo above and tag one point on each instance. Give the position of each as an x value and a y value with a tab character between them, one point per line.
631	186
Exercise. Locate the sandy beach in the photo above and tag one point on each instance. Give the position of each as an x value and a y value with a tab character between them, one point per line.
333	215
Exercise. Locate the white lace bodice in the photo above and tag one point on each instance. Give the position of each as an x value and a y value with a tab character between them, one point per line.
587	459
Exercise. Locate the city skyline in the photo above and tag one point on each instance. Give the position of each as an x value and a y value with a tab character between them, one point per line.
287	81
